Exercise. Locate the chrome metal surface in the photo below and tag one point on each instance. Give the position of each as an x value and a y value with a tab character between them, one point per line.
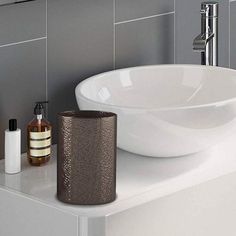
207	41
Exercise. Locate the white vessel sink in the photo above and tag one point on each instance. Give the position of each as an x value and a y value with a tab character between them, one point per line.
166	110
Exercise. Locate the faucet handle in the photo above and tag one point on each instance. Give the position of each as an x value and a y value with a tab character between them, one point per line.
200	42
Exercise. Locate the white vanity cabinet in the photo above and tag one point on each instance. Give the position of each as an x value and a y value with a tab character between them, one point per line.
187	196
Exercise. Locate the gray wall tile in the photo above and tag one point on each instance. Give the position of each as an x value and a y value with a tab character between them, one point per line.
188	26
22	21
80	44
130	9
233	35
144	42
22	82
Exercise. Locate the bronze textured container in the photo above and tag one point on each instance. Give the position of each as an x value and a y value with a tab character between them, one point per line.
86	164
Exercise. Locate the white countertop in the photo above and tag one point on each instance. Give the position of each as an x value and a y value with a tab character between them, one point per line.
139	179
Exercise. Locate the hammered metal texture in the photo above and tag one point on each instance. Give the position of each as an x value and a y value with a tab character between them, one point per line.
86	168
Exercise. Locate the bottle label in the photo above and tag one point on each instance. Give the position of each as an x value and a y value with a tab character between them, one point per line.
40	152
40	135
40	143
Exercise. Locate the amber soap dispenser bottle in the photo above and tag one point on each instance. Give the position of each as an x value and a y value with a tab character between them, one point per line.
39	133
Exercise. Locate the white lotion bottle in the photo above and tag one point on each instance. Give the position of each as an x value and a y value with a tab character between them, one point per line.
12	148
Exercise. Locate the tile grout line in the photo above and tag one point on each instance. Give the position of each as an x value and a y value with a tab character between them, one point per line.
229	33
22	42
47	53
144	18
114	34
174	34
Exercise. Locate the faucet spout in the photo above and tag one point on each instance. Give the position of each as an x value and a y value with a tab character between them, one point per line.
207	41
200	42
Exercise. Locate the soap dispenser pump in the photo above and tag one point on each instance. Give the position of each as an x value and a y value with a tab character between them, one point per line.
39	132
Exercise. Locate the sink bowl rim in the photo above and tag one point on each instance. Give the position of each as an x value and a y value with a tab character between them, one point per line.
78	89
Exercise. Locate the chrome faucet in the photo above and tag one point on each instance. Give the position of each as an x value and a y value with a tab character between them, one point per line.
207	41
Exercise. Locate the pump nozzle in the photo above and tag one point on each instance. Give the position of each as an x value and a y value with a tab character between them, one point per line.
39	107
